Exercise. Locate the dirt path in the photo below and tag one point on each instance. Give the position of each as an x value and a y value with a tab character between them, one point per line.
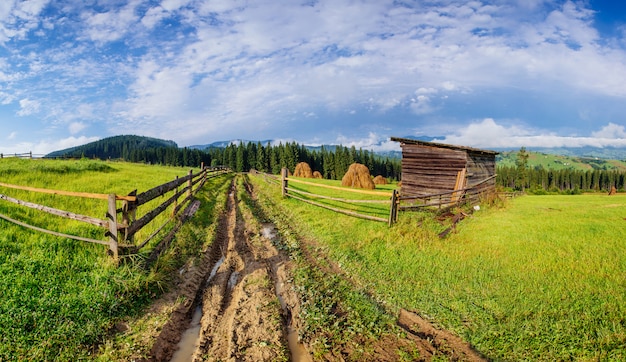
247	304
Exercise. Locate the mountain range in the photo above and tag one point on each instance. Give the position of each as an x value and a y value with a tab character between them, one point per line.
114	146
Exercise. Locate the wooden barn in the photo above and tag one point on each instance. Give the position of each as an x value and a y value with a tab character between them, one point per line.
434	168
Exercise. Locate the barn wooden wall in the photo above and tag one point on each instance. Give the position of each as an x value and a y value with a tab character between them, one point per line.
430	169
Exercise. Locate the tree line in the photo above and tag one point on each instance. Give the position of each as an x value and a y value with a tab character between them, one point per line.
539	179
332	162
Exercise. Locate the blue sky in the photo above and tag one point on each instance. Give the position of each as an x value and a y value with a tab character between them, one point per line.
477	73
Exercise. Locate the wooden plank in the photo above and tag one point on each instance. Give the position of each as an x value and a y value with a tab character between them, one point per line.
157	191
341	211
73	237
86	195
57	212
149	216
365	192
338	199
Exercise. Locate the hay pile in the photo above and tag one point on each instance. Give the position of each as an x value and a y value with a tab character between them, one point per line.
613	191
317	174
303	170
379	180
358	176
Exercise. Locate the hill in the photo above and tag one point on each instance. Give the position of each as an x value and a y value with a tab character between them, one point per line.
113	147
551	161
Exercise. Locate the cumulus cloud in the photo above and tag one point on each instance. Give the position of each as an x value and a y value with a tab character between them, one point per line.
487	133
373	142
76	127
46	146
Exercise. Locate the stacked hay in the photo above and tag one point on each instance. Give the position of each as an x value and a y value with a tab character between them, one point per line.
358	176
317	174
303	170
613	191
379	180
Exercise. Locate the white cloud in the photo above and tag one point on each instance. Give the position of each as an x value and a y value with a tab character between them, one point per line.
76	127
28	107
489	134
610	131
46	146
373	142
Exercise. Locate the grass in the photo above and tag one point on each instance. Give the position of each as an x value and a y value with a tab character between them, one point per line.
372	209
541	278
59	298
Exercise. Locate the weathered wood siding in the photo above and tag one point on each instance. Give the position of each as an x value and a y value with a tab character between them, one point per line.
429	170
480	166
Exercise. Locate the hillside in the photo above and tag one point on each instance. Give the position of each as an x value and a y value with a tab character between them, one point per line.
113	147
559	162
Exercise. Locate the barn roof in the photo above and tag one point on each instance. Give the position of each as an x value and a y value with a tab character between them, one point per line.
442	145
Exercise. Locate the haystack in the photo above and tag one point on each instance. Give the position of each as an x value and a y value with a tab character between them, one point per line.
317	174
379	180
303	170
358	176
613	191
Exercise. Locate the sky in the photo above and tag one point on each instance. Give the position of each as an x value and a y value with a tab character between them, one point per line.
486	74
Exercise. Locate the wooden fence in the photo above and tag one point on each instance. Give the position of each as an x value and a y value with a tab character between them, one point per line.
121	224
17	155
307	197
439	201
444	200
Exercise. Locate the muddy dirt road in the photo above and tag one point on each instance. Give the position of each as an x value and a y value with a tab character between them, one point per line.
244	308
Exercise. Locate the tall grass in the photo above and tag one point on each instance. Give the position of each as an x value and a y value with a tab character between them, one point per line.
59	298
541	278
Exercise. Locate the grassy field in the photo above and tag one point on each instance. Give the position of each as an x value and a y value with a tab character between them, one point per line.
59	298
538	278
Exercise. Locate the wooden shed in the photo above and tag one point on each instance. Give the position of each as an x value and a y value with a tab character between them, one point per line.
433	168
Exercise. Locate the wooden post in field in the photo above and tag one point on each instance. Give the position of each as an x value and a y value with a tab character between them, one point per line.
129	212
175	201
190	184
30	155
112	217
284	182
393	210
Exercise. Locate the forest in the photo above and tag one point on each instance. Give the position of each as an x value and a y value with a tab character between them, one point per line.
332	162
539	179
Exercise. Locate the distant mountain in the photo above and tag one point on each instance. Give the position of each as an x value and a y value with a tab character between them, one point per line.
607	153
551	161
224	144
113	147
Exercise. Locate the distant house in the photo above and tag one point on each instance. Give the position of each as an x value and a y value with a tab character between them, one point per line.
433	168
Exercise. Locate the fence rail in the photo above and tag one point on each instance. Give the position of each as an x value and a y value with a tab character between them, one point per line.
447	199
305	196
121	230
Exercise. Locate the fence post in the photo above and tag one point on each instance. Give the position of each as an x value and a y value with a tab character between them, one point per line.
393	210
190	184
175	201
112	217
30	155
129	212
284	181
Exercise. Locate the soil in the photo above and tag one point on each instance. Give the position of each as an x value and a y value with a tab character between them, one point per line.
250	309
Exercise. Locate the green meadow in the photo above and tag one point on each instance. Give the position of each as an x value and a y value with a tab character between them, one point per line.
534	278
60	299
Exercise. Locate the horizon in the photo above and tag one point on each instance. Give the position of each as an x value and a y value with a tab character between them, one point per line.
484	74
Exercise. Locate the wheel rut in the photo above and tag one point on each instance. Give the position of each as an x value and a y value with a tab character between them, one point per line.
247	302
